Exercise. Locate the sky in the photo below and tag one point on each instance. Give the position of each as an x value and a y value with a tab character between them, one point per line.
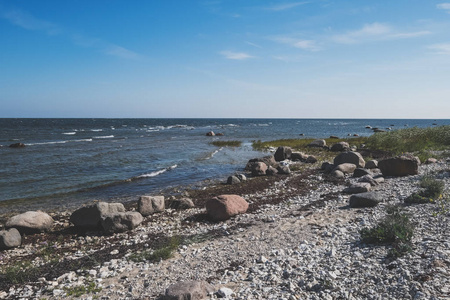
225	59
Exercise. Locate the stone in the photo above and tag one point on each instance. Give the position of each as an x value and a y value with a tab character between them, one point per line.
188	290
183	203
318	144
284	170
268	160
210	133
31	222
259	169
271	171
356	188
311	159
225	292
339	147
402	165
337	174
327	167
282	153
431	161
241	177
371	164
379	179
10	238
369	199
17	145
334	137
360	172
223	207
298	156
346	168
89	217
148	205
350	157
368	179
233	180
121	221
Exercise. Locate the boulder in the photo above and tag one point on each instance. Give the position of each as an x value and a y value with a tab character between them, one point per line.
233	180
284	170
89	217
121	221
379	179
357	188
318	144
271	171
31	222
223	207
339	147
311	159
368	179
369	199
282	153
211	133
148	205
360	172
371	164
241	177
431	161
327	167
268	160
337	174
298	156
346	168
17	145
188	290
350	157
183	203
402	165
10	238
259	169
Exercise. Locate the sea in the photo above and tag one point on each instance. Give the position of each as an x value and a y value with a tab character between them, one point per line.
69	162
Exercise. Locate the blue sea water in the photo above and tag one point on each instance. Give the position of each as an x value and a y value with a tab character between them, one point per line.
67	162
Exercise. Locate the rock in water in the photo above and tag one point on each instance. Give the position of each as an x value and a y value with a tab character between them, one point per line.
350	157
121	221
31	222
17	145
89	217
10	239
223	207
369	199
402	165
188	290
148	205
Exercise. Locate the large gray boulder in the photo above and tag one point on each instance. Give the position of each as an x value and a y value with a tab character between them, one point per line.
121	221
350	157
31	222
318	144
339	147
148	205
298	156
369	199
282	153
223	207
402	165
259	169
89	217
346	168
10	238
188	290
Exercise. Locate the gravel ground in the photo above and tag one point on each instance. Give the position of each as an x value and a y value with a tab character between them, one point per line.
300	240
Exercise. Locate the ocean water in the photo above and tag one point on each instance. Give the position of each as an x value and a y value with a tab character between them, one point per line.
67	162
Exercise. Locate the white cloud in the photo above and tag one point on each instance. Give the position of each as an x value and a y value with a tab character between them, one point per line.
121	52
444	6
235	55
440	48
308	45
29	22
285	6
253	44
375	32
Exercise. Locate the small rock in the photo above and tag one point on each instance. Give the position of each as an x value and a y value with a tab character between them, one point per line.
10	239
369	199
360	172
233	180
361	187
188	290
224	292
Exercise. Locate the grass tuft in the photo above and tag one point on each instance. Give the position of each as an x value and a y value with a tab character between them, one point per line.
77	291
433	190
162	253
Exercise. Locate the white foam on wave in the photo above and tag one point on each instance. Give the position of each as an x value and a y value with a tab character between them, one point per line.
59	142
69	133
96	130
103	137
156	173
214	153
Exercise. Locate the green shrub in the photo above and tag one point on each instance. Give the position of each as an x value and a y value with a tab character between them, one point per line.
396	229
19	272
77	291
433	189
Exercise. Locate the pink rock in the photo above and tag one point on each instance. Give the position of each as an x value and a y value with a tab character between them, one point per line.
223	207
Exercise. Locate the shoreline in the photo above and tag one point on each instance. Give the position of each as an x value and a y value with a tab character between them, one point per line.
291	218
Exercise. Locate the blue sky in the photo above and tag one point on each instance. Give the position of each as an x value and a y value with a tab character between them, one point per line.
230	58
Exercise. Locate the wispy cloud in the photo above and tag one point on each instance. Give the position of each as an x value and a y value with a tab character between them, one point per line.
235	55
374	32
285	6
29	22
444	6
440	48
308	45
253	44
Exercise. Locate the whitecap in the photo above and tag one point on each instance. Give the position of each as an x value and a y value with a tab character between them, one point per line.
213	153
103	137
96	130
156	173
69	133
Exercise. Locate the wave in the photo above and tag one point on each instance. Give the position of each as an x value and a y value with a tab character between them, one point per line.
211	155
69	133
103	137
58	142
155	173
96	130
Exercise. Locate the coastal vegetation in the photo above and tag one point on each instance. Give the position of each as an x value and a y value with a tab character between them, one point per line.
226	143
432	190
